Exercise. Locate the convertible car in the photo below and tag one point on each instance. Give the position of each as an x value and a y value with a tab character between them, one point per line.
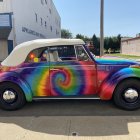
65	69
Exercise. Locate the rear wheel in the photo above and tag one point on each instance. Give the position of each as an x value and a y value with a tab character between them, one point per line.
11	96
127	94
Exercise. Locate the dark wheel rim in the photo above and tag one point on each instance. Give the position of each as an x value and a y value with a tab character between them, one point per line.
9	96
131	95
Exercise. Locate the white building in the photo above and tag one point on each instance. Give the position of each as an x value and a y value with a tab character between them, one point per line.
24	20
131	46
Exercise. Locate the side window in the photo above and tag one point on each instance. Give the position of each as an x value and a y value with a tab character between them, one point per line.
81	54
62	53
38	55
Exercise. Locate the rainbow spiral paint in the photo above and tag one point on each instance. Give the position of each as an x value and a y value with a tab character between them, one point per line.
67	82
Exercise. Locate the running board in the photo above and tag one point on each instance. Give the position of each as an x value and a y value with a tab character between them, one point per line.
67	98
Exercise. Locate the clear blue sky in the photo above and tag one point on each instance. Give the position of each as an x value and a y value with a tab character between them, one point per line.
83	16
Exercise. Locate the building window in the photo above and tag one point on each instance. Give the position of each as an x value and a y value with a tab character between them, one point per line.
45	24
50	10
46	1
42	2
56	21
59	24
41	21
1	0
51	28
36	17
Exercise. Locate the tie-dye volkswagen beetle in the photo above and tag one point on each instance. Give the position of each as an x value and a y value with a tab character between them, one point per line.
64	68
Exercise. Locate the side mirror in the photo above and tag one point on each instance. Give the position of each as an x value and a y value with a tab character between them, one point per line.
36	60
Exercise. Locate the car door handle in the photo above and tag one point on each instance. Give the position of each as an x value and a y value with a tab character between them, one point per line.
54	69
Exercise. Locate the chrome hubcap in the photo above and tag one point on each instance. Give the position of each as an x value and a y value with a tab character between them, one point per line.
131	95
9	96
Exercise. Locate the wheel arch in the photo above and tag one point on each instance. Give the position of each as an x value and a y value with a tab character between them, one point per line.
108	88
21	84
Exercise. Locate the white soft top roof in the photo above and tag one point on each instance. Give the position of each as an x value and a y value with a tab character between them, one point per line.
20	52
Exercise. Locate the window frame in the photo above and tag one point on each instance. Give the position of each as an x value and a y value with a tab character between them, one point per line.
84	50
48	48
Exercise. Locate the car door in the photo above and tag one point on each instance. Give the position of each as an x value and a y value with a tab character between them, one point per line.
69	74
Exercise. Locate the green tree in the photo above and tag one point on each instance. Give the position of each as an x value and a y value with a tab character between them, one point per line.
84	38
106	43
110	43
79	36
113	43
119	42
96	44
66	33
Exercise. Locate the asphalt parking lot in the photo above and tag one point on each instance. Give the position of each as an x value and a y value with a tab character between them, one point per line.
70	120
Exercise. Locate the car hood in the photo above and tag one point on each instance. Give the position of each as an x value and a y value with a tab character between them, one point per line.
104	61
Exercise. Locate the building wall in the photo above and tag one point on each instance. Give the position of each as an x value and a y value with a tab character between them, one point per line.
35	19
131	47
3	49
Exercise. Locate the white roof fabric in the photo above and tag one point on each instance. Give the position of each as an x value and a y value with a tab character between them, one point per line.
20	52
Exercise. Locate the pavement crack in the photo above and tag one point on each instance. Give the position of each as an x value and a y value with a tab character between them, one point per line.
69	129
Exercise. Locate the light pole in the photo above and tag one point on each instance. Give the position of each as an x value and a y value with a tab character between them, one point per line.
102	28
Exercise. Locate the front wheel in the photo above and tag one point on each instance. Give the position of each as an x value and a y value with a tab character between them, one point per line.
127	94
11	96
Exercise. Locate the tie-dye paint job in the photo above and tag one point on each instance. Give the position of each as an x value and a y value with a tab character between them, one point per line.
70	78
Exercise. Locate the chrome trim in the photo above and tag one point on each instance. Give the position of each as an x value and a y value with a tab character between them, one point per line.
45	98
75	52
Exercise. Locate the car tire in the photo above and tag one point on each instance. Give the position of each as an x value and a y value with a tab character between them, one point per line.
127	94
11	96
